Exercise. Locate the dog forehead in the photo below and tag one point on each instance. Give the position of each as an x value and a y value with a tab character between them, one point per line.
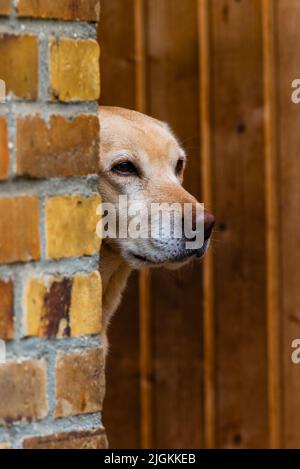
122	128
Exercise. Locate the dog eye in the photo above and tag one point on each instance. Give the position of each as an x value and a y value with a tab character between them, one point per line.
125	168
179	166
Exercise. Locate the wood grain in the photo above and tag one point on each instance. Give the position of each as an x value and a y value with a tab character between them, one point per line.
203	359
205	106
117	38
173	96
273	259
239	201
140	27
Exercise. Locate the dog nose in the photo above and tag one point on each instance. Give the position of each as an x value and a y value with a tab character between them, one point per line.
209	222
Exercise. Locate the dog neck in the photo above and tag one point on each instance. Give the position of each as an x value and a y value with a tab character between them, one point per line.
114	273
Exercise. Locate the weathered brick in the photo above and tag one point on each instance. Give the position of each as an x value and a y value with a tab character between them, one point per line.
4	158
19	229
83	10
74	69
19	65
6	310
23	391
5	7
71	226
93	439
61	148
63	307
79	383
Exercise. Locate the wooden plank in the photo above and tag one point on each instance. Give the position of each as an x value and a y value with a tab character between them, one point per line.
121	415
140	25
172	71
288	17
144	275
117	42
146	364
273	222
239	263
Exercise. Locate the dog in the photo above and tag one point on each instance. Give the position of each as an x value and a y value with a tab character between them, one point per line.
141	158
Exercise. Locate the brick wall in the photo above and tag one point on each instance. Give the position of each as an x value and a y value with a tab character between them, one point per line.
52	386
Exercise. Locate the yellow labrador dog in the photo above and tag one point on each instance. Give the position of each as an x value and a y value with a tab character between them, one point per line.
142	160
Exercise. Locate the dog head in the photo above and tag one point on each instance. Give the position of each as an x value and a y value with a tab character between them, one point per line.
142	160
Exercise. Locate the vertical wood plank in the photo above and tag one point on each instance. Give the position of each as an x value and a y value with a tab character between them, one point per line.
239	264
117	40
121	415
140	55
208	277
144	276
289	35
172	70
273	222
146	366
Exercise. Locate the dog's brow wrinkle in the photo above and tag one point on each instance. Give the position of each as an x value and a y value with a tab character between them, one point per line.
122	153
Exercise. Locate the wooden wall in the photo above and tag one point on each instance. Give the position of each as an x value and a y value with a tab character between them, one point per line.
201	357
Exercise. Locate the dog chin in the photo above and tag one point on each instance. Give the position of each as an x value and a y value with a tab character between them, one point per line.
137	261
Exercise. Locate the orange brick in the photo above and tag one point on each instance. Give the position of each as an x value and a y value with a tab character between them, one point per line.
74	69
93	439
71	226
4	158
63	307
80	383
5	7
23	391
19	229
61	149
19	65
6	310
84	10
